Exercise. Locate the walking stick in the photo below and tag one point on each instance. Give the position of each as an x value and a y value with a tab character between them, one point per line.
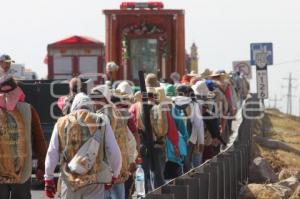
146	117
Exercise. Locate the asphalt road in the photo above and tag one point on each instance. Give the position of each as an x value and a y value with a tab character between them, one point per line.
37	190
39	194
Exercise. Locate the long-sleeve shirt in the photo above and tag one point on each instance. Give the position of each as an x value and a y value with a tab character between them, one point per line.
38	139
112	150
197	135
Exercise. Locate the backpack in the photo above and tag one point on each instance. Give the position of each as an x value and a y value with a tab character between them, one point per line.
85	158
75	132
159	122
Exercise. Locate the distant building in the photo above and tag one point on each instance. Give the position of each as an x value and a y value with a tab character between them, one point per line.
30	75
191	60
194	58
20	72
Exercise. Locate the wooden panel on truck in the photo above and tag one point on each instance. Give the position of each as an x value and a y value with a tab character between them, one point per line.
62	67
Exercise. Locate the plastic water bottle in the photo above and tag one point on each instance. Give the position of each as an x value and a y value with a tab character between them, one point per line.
139	181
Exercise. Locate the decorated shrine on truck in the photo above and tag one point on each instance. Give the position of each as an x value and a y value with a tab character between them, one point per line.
145	36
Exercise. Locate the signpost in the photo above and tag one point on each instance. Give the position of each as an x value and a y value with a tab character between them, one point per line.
262	56
244	67
262	75
257	48
262	84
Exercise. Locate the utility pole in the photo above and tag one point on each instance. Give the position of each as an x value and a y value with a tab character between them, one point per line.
299	107
289	106
289	96
275	100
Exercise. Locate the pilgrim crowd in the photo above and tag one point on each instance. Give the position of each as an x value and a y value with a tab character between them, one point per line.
103	133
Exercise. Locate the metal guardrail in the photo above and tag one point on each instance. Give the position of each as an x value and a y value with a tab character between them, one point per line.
224	175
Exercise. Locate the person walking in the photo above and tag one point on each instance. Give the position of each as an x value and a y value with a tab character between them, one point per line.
21	135
65	102
101	96
5	64
72	140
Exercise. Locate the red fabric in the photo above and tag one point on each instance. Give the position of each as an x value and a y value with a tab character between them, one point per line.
109	185
61	102
131	122
228	93
50	188
186	79
9	100
131	125
172	131
133	113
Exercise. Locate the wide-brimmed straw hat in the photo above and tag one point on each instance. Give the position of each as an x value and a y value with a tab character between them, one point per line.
151	80
161	95
219	73
206	73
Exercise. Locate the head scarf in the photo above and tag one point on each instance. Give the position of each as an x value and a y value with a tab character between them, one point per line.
10	93
82	101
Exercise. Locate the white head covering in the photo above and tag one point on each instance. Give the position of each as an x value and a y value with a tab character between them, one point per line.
125	87
103	90
200	88
80	101
181	100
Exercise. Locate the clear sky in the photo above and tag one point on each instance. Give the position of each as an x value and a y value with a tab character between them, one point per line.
222	30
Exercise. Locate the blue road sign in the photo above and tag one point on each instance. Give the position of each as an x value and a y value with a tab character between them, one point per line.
262	48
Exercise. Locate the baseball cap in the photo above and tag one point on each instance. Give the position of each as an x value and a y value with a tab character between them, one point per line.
6	58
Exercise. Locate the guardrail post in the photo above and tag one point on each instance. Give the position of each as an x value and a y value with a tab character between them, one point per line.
245	162
239	167
179	191
227	175
193	184
213	181
219	165
234	174
204	185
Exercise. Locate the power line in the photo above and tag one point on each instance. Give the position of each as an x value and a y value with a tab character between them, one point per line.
289	107
275	100
299	107
287	62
